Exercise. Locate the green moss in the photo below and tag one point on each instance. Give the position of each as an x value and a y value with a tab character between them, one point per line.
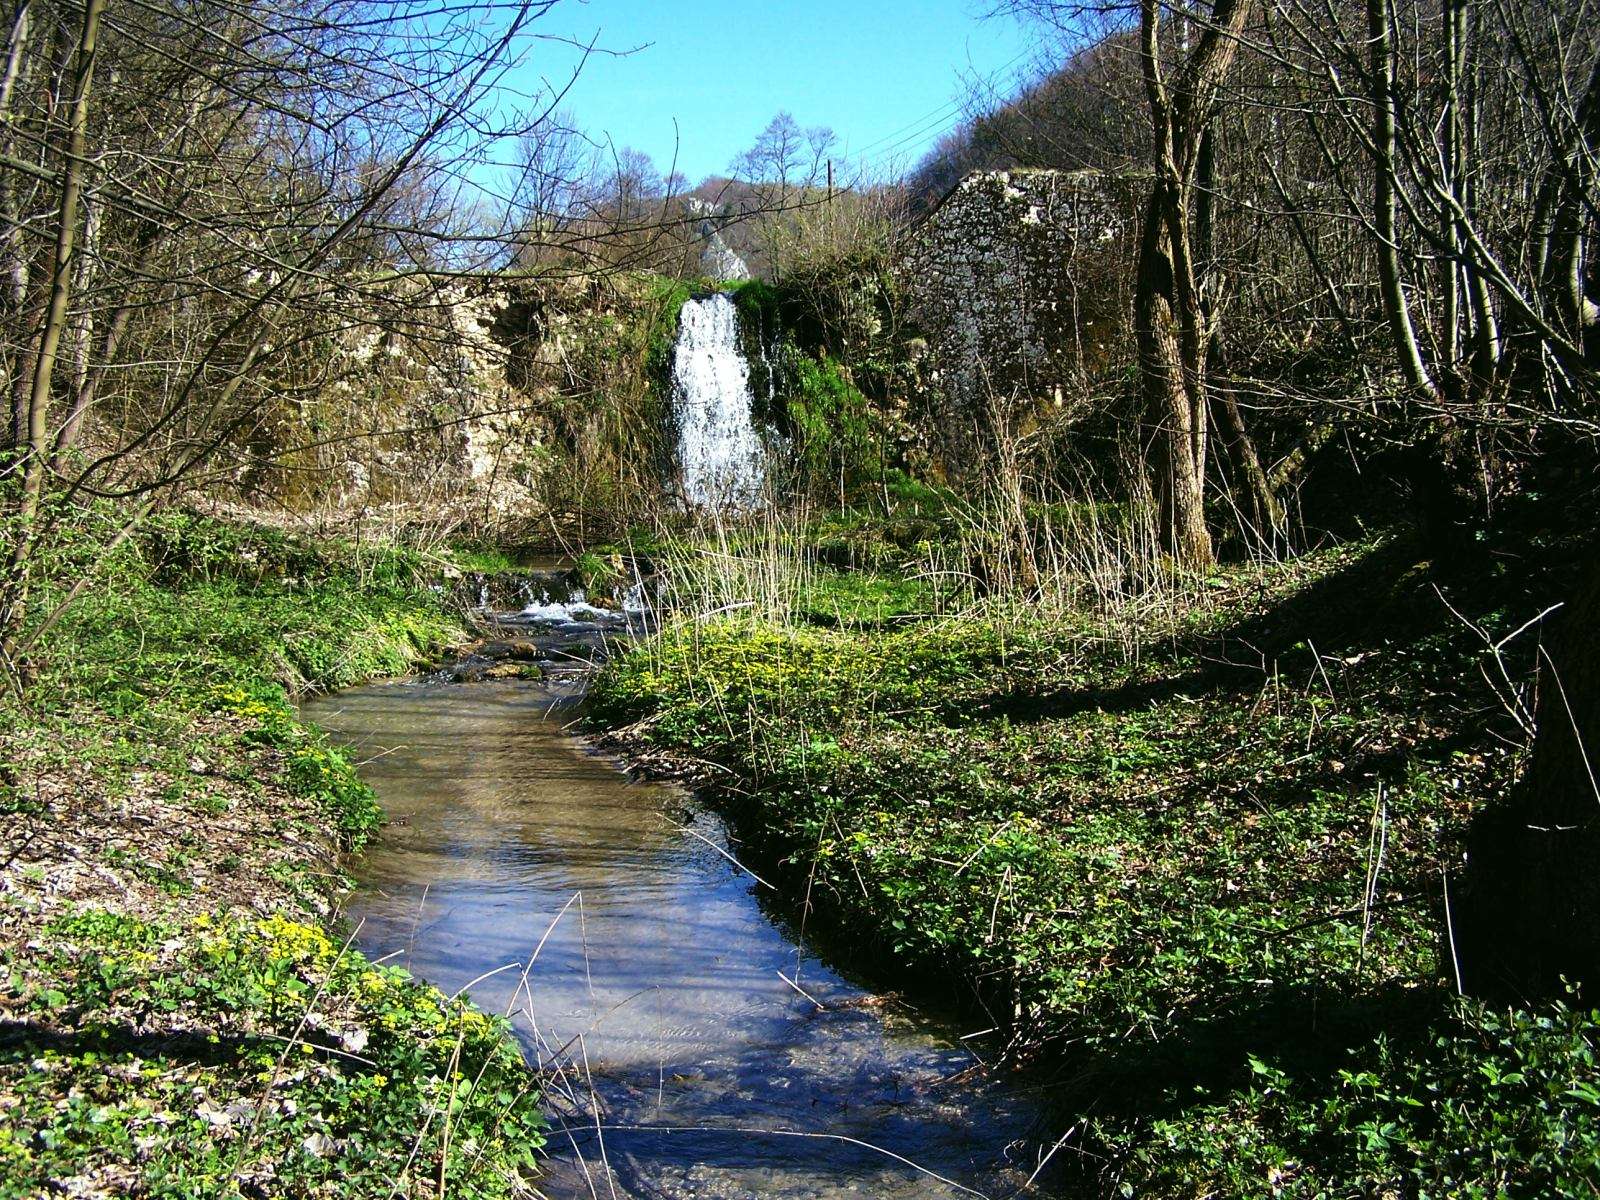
486	560
759	304
829	422
667	298
902	532
860	599
640	540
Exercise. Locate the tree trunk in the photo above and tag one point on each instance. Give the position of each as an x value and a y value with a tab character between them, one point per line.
1396	308
1486	348
36	454
1454	22
1530	914
1560	254
1181	422
1262	510
1262	515
84	377
1173	308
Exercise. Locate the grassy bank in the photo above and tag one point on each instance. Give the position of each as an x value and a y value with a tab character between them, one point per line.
177	1015
1190	859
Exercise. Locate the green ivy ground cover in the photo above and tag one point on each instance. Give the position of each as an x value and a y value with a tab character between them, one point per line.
177	1017
1195	869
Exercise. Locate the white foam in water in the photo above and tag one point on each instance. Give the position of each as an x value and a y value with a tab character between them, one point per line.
719	452
555	610
634	600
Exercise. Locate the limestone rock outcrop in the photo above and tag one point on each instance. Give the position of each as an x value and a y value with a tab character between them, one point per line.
1018	281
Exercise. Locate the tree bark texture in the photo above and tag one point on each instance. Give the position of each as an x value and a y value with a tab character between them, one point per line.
1172	316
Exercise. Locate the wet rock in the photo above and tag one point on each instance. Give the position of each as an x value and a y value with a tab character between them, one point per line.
519	650
512	670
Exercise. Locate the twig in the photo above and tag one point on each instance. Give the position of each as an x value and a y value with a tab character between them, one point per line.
721	851
821	1007
1450	931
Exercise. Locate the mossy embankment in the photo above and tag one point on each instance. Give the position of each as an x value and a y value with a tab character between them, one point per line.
179	1013
1192	860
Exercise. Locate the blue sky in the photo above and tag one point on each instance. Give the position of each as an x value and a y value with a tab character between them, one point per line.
883	75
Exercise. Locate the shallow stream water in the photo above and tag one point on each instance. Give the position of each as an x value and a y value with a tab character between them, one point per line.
695	1047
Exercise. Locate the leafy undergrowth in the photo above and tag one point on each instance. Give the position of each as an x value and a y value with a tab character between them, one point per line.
861	599
174	1018
256	1057
1477	1103
1206	852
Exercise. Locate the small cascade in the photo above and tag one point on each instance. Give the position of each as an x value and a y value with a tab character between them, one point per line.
720	454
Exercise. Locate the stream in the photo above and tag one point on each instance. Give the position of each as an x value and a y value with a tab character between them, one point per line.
694	1045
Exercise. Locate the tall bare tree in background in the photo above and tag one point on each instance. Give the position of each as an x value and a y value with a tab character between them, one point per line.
784	170
1185	56
191	195
1176	305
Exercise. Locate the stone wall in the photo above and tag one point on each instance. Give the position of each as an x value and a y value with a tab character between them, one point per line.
1018	280
495	401
409	406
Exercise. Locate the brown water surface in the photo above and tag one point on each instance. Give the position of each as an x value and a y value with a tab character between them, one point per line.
658	986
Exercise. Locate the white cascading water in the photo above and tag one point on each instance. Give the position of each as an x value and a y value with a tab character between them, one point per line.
720	454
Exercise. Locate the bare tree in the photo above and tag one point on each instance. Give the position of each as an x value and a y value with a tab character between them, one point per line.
1177	301
224	184
785	167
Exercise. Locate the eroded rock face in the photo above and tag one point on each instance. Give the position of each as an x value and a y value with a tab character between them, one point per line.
1019	281
467	398
427	410
718	260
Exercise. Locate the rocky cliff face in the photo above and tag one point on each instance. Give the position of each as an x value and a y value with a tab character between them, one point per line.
718	260
490	401
1017	280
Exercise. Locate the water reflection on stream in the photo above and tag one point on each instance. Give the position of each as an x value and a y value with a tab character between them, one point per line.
662	971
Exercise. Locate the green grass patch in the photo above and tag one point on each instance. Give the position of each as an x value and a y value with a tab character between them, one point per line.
484	560
857	599
193	604
1150	844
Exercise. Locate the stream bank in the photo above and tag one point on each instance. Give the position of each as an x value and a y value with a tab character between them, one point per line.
179	1014
1144	839
694	1044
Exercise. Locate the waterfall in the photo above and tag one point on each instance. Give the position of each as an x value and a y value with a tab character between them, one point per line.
720	454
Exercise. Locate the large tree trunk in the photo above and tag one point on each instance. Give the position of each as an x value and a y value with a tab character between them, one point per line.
1169	388
1261	516
1530	915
